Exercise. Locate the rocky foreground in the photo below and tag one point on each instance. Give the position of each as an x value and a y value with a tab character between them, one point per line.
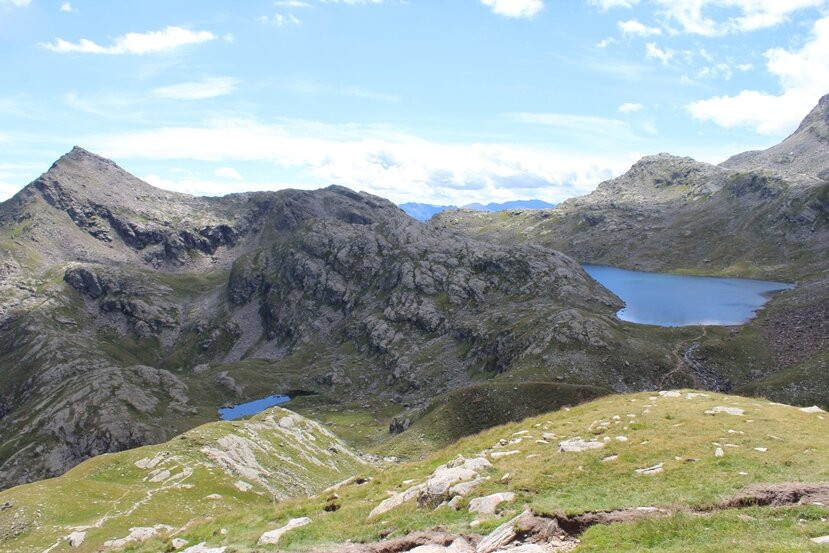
677	470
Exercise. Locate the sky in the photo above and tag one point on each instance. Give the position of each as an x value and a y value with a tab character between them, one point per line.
438	101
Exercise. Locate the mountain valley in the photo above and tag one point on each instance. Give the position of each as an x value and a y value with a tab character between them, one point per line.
471	350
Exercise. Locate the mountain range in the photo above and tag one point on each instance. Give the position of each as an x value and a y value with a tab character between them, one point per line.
424	212
130	314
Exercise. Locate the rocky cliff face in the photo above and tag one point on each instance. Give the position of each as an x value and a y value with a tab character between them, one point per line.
130	313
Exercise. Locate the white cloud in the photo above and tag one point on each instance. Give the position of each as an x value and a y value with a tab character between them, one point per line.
579	123
206	88
66	7
653	51
228	173
630	107
150	42
605	42
352	2
700	16
605	5
280	19
803	75
291	4
399	166
15	3
634	27
514	8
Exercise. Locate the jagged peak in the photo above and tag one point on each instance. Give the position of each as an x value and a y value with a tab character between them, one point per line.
818	115
78	154
86	175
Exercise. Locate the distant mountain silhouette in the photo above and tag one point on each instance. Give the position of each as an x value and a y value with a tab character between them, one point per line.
424	212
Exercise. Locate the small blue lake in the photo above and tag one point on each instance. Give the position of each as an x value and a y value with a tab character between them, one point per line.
679	300
251	407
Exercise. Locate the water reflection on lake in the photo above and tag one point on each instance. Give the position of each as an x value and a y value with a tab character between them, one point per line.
251	407
679	300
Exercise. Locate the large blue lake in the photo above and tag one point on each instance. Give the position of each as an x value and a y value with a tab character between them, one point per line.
678	300
251	407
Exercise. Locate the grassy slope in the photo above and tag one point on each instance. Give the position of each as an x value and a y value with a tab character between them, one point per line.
109	494
666	430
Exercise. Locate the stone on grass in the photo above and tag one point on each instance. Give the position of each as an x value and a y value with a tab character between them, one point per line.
488	504
719	452
272	537
575	445
499	454
812	409
464	488
242	486
501	536
822	540
736	411
670	393
76	539
138	534
396	500
203	548
655	469
178	543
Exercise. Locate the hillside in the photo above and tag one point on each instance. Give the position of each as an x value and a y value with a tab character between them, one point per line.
674	470
116	500
758	215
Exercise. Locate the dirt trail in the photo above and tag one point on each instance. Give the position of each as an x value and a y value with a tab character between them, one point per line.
702	377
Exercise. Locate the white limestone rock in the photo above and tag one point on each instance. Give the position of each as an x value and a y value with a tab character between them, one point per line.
272	537
486	506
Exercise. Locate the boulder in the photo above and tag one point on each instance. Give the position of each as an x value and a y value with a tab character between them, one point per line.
76	538
487	505
396	500
272	537
501	536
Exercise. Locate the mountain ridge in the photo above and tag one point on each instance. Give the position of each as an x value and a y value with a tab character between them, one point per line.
133	313
424	212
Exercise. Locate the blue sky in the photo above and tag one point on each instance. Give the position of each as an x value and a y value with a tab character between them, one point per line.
420	100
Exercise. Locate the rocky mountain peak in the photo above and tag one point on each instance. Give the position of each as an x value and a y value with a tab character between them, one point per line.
802	157
816	122
85	176
661	177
